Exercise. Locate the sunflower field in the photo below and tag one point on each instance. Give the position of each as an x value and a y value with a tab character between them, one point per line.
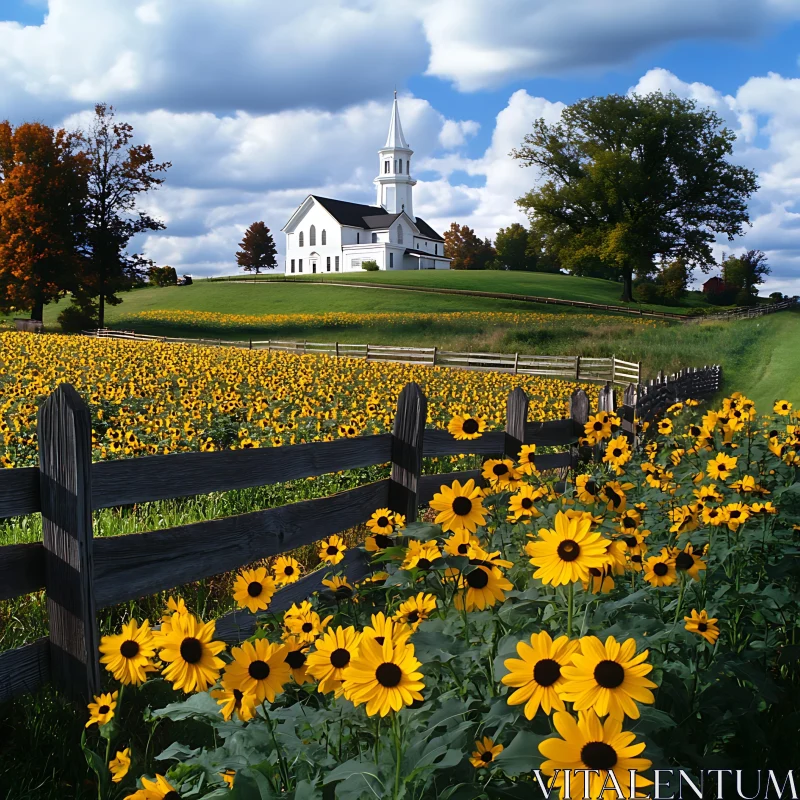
526	635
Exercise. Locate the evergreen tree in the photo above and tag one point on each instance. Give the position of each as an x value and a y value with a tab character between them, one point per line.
258	249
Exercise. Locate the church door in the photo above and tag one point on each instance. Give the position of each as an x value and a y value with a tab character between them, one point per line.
313	266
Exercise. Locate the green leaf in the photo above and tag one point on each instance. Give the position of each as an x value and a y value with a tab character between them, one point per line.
198	705
522	755
366	769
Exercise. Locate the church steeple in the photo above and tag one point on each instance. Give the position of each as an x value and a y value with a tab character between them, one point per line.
394	181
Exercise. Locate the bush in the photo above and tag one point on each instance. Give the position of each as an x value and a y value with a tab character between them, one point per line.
745	298
370	265
776	297
163	276
77	317
647	292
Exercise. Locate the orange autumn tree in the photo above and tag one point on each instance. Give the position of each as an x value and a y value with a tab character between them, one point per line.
43	184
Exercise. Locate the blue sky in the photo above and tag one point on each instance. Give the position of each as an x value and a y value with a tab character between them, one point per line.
258	103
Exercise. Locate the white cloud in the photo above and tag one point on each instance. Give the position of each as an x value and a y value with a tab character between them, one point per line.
455	133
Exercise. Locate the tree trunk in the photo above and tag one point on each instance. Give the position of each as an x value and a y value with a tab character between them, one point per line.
38	309
101	306
627	285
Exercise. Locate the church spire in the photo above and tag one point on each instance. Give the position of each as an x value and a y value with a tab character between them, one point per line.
395	137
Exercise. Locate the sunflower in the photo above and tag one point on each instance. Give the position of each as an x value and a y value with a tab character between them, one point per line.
526	458
522	503
296	657
382	521
378	542
120	764
307	625
599	748
564	555
737	514
601	581
332	549
190	653
687	561
466	427
286	570
462	543
485	752
613	493
460	508
702	625
587	489
173	607
501	473
660	570
482	587
598	427
421	555
102	710
229	776
715	516
536	674
384	627
159	789
763	508
618	453
341	587
259	668
127	655
608	678
416	609
721	466
233	699
664	426
253	589
782	407
384	676
334	651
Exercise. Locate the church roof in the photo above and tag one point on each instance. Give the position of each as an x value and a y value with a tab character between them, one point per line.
395	137
359	215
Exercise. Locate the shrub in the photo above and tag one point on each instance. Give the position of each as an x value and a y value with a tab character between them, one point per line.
163	276
370	265
744	297
647	292
776	297
77	317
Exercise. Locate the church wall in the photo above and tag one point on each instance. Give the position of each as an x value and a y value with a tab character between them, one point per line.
322	220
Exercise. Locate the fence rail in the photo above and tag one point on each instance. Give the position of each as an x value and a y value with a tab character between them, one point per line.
573	368
81	574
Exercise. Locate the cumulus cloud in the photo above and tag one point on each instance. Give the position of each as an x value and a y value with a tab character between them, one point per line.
455	133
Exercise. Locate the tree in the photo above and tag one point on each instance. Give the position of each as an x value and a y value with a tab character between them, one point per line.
673	280
537	255
120	172
43	184
629	178
742	275
258	249
162	276
511	244
467	250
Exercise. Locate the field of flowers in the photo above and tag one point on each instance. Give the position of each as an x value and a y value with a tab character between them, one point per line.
643	616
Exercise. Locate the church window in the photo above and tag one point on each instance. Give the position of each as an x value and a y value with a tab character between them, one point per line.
436	249
374	237
386	166
336	263
358	238
300	239
292	265
300	265
328	263
391	260
400	165
407	163
399	234
324	236
312	236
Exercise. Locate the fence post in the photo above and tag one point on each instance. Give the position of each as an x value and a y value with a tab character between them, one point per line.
613	370
638	372
579	414
628	414
408	433
577	368
304	346
64	431
516	362
366	355
251	344
435	351
336	348
269	345
516	417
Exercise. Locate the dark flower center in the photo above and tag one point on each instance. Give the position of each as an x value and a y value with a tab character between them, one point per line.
546	672
463	548
340	658
636	559
684	561
424	563
631	541
254	589
288	570
500	469
597	426
191	650
382	522
258	670
629	522
295	659
237	696
526	502
332	550
486	756
308	627
591	486
598	755
595	572
702	627
613	496
104	709
344	592
568	550
661	569
478	578
695	430
462	506
470	426
616	452
129	649
173	795
609	674
735	514
382	540
388	675
412	616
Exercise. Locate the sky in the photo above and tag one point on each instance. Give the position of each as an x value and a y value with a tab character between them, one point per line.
258	103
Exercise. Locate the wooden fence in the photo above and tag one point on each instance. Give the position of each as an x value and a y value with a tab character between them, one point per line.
573	368
81	574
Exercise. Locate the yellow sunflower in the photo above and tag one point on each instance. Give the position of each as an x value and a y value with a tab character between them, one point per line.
421	555
462	543
232	699
721	466
501	473
736	515
688	561
128	655
527	458
306	625
382	521
416	609
618	453
782	407
481	587
521	505
715	516
613	494
253	589
334	651
332	549
587	489
159	789
660	570
259	668
536	674
286	570
190	653
384	676
341	587
608	678
120	764
702	625
383	627
460	508
466	427
101	710
296	657
599	748
564	555
485	752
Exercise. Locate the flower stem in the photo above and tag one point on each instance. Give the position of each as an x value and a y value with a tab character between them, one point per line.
398	753
570	608
680	599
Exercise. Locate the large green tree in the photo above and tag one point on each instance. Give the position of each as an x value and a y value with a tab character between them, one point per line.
511	244
466	248
628	180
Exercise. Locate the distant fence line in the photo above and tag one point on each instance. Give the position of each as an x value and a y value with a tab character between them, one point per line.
81	574
735	313
574	368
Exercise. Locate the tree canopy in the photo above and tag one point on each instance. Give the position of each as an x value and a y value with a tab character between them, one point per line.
466	249
629	180
258	249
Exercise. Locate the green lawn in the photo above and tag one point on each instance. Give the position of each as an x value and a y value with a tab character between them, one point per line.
562	287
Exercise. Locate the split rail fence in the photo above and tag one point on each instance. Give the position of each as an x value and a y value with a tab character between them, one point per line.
573	368
80	573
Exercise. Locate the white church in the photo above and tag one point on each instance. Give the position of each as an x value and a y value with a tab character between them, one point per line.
326	235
